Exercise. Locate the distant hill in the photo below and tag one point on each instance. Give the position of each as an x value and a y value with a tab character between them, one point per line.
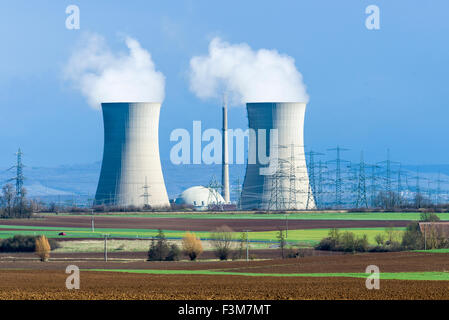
78	183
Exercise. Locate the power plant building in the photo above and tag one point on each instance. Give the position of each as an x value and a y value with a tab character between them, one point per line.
287	187
131	173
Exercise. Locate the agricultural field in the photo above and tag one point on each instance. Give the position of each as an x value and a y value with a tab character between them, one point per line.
403	276
306	237
127	274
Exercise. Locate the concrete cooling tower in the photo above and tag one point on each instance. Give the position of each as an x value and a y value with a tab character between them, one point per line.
286	188
131	171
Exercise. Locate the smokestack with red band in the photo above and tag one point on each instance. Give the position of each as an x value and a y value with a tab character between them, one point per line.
225	162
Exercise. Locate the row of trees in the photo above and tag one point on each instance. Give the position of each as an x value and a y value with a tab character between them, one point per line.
222	243
224	246
414	237
14	204
396	201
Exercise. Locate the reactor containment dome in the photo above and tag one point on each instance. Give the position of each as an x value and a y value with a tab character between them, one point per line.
131	173
200	197
287	187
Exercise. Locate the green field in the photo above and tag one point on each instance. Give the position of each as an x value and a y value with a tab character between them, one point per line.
426	276
306	237
293	216
434	251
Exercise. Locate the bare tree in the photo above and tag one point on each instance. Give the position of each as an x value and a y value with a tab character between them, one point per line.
222	242
8	196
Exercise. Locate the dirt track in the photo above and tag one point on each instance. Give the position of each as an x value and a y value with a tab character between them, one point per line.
197	224
120	255
387	262
26	284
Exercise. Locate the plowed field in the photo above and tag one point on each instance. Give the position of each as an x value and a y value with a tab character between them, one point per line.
109	285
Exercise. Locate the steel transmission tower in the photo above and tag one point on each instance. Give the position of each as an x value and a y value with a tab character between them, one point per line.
438	191
387	180
361	186
19	178
214	191
373	184
146	195
312	178
319	194
338	180
238	192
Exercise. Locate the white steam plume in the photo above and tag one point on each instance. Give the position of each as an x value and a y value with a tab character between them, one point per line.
103	76
246	75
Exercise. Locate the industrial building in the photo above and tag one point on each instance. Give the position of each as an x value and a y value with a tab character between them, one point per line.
200	198
288	187
131	173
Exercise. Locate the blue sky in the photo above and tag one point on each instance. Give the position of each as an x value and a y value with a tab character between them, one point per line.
369	90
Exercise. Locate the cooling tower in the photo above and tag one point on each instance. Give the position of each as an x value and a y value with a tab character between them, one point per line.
131	171
287	187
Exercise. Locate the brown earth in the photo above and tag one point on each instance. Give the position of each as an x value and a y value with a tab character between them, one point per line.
387	262
31	284
197	224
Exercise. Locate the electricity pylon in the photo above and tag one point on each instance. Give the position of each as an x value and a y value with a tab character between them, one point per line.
319	193
214	188
438	191
373	184
238	192
146	194
387	180
338	180
361	186
312	182
19	178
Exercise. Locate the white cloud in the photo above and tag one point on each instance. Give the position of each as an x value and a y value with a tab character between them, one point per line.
104	76
246	75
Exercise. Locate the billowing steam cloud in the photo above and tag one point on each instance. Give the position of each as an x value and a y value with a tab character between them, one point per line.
103	76
246	75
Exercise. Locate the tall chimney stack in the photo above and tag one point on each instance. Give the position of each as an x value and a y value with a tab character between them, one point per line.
225	162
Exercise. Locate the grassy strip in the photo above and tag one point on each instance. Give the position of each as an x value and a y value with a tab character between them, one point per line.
307	236
422	276
434	251
293	216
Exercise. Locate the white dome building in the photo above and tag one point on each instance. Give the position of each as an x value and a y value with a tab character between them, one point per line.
200	197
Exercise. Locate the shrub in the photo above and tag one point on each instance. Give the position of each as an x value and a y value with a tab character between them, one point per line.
412	239
19	243
43	248
296	252
347	242
191	246
173	253
160	250
429	217
380	239
222	241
